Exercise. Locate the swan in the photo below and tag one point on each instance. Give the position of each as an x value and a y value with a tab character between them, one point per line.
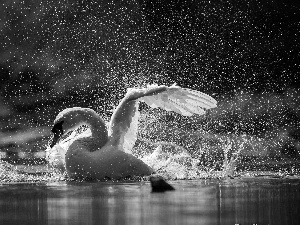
105	153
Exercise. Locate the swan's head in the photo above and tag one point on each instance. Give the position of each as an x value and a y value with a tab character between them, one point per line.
68	120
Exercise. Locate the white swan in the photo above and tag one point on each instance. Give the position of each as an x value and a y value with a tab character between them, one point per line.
106	153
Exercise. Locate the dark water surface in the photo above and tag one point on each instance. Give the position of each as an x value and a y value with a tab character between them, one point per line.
237	201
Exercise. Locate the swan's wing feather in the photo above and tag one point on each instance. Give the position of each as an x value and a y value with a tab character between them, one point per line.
164	103
200	98
184	101
187	109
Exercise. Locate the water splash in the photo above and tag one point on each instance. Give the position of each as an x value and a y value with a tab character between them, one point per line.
219	156
172	165
231	160
30	174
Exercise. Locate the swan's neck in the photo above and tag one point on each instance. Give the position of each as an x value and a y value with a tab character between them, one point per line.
97	127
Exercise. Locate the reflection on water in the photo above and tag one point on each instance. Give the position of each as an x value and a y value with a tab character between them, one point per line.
247	201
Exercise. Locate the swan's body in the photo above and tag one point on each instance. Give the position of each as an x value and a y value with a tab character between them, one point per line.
107	153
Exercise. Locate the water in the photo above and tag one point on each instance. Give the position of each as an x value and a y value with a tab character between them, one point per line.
41	194
211	201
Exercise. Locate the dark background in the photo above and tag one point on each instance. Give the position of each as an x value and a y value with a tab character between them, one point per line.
57	54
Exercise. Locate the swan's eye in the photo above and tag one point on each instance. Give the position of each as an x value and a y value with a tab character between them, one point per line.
57	128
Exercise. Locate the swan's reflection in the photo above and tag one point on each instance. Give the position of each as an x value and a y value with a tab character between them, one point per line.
194	202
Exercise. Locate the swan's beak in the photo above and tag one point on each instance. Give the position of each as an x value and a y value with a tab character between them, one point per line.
55	139
58	132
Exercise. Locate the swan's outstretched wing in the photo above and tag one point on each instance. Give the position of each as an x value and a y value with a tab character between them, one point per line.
124	121
123	126
184	101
